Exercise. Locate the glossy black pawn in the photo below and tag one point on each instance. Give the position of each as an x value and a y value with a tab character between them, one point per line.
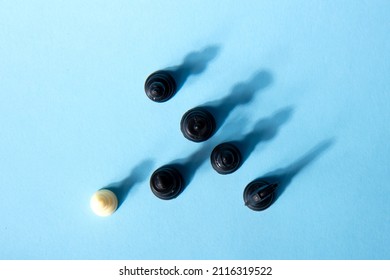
160	86
259	194
197	124
225	158
166	182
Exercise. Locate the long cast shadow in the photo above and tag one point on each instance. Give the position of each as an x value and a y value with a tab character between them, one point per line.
284	176
138	174
189	165
241	94
264	130
194	63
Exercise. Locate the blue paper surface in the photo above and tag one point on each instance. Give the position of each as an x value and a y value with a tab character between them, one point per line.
305	84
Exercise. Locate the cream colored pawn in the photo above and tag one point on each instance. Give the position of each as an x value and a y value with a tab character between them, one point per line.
104	202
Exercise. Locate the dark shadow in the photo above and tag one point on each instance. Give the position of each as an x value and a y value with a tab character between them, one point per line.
194	63
241	94
189	165
284	176
138	174
263	130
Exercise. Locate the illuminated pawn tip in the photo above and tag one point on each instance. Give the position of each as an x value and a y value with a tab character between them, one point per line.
104	202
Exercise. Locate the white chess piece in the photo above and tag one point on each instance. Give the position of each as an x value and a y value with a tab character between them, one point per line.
104	202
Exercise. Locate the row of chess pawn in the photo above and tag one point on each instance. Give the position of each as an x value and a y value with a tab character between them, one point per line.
197	125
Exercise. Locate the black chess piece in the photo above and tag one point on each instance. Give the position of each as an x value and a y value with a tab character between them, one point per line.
166	182
225	158
160	86
197	124
259	194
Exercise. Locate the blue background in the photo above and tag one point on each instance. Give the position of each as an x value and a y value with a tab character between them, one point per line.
304	84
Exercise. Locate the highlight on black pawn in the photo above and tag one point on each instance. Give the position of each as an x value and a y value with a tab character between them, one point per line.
166	182
259	194
225	158
160	86
197	124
